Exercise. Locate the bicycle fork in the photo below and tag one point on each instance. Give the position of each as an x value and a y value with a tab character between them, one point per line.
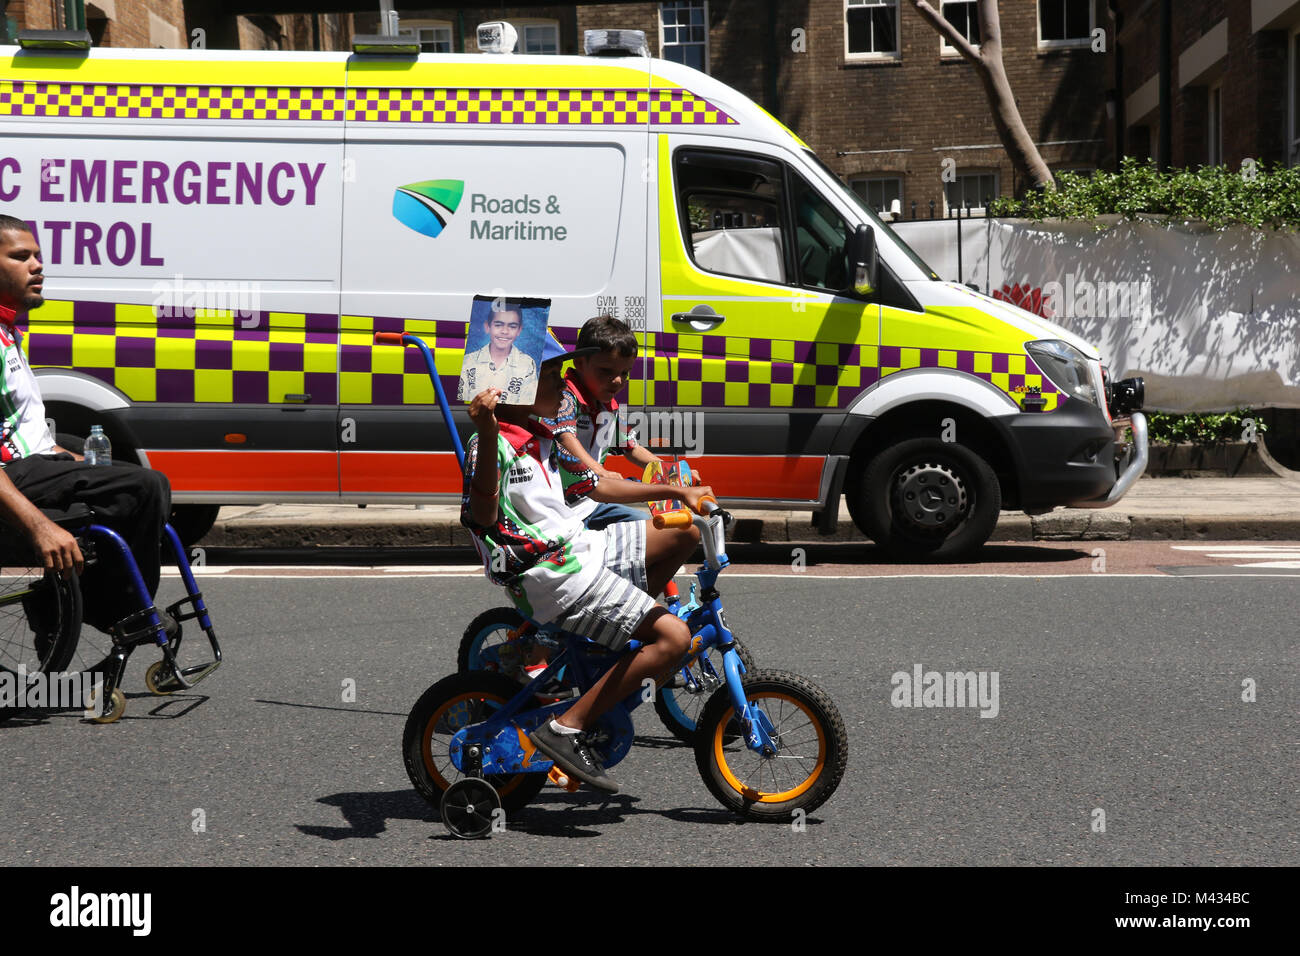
757	728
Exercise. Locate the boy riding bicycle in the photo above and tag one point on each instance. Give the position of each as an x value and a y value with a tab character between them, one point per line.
597	584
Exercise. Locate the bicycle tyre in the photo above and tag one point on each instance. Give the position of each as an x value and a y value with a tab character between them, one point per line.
485	632
680	710
40	622
729	768
450	704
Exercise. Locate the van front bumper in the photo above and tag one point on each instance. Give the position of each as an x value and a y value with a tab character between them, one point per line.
1066	458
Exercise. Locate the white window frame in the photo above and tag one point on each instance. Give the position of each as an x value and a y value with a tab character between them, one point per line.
664	44
1293	98
1064	44
416	28
946	49
970	174
897	53
522	26
867	178
1214	124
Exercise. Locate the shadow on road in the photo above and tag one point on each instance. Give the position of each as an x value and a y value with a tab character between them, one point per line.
554	813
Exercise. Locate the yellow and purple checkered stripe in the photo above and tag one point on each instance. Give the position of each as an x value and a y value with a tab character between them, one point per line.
267	356
545	107
259	359
725	372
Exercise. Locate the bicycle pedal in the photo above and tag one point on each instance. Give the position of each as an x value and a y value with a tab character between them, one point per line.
563	780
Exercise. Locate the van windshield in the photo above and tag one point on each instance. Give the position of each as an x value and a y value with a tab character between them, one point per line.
871	216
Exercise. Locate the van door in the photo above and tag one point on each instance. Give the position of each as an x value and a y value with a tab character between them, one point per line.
471	177
765	343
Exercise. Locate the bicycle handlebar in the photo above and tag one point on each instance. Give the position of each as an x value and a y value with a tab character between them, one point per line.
389	338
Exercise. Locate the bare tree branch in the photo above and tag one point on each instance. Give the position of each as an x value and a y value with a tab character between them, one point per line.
955	39
987	60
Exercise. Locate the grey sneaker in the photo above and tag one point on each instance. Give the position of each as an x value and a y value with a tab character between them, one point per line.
572	755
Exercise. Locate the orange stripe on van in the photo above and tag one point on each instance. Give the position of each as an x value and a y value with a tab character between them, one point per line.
416	473
750	476
243	470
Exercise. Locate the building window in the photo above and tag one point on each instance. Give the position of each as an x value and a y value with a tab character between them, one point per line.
1293	94
971	191
964	16
871	29
1065	22
541	38
879	192
434	36
1214	127
684	33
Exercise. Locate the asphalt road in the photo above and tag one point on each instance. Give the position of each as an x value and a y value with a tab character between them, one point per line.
1116	694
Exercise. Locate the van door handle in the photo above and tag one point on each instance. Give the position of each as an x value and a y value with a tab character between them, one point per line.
701	318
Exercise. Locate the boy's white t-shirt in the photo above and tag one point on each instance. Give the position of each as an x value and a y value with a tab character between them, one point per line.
23	430
537	548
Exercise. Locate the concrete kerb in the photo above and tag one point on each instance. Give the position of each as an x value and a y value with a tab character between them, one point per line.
420	529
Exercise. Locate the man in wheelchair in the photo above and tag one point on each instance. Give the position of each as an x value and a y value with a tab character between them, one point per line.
36	473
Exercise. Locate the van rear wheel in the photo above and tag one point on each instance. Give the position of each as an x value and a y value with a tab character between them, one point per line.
925	498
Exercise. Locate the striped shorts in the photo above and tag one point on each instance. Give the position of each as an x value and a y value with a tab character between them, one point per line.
616	603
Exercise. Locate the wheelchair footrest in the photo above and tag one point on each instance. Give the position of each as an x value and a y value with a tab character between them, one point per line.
189	676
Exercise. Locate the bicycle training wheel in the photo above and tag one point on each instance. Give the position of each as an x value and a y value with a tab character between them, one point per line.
813	749
449	705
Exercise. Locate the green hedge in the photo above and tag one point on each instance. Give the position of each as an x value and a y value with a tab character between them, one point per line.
1254	195
1166	429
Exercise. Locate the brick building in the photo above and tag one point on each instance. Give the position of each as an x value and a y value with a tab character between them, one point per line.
171	24
867	83
1233	80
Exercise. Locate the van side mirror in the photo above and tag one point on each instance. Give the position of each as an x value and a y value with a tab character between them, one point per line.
864	260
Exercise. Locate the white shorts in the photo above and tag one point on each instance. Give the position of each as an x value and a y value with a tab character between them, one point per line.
617	601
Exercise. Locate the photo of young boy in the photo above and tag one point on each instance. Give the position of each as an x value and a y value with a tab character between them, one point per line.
503	348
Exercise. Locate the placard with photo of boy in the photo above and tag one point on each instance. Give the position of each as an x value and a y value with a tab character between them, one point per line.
503	348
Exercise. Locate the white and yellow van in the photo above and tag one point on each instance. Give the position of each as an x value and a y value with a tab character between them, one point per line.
224	232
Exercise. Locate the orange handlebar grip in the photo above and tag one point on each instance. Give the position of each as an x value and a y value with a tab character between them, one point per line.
678	518
707	498
388	338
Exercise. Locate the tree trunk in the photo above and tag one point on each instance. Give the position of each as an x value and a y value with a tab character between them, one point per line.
987	60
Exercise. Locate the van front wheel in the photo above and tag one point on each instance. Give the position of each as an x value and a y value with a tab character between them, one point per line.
928	498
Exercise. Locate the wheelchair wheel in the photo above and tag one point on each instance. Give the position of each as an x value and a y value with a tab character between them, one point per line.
680	707
40	621
452	703
814	749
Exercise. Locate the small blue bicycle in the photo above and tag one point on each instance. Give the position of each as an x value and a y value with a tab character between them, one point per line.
767	743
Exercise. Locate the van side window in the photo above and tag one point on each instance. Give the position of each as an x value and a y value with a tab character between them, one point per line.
731	209
821	240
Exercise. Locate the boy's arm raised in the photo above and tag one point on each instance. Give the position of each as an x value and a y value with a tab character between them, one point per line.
485	480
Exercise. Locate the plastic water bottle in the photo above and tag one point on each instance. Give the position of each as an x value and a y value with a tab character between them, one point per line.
98	451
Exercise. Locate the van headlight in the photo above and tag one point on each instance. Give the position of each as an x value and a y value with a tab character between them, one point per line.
1067	367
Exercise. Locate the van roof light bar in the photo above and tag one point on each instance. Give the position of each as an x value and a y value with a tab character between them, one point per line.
378	44
55	40
615	43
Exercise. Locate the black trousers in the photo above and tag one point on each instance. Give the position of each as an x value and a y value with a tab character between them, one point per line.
133	501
